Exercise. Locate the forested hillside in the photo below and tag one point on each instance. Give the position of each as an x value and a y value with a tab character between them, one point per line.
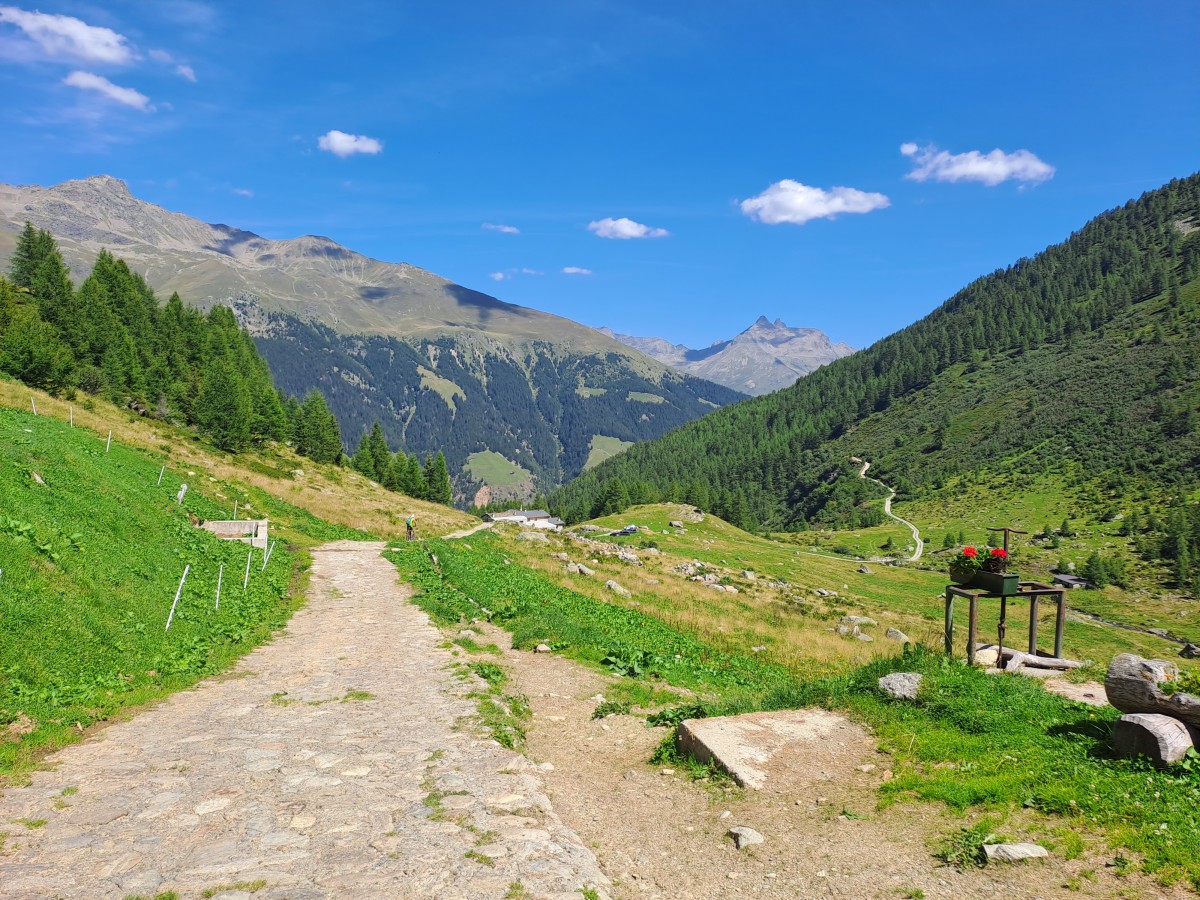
539	409
1089	351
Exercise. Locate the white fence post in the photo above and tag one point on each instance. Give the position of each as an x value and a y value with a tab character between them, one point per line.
246	579
177	594
220	575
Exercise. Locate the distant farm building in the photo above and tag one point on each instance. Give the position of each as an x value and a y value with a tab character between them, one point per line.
534	518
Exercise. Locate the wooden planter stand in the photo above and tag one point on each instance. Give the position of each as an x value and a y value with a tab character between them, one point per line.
1034	590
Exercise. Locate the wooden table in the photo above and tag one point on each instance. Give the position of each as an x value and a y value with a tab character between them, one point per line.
1033	590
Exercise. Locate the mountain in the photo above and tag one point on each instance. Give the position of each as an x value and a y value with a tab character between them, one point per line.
765	357
1084	360
500	388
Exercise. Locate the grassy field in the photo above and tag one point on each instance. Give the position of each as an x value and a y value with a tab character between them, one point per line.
494	470
643	397
443	387
1001	745
602	448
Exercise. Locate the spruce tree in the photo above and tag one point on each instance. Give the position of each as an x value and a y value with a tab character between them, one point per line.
437	480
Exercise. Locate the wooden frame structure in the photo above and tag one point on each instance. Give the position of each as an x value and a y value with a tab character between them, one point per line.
1033	590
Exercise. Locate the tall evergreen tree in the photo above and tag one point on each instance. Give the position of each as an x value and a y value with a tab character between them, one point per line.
437	480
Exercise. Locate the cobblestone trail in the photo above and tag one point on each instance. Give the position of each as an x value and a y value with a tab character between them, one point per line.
328	765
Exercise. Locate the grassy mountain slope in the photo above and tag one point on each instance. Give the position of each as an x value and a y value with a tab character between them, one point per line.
1087	352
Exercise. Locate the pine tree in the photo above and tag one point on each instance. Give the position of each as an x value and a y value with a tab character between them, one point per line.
437	480
224	409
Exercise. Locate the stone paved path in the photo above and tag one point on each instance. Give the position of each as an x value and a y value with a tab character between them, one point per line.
278	773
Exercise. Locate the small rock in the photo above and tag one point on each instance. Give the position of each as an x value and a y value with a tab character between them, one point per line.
630	775
901	685
535	536
749	575
584	570
38	478
897	635
617	589
866	570
1190	651
725	814
745	837
468	633
986	657
675	524
572	568
864	621
542	648
865	637
560	556
868	768
667	772
597	698
1014	852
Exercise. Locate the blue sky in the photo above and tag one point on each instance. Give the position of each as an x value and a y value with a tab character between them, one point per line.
669	169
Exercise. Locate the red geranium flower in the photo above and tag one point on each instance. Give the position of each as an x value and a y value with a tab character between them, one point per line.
969	551
999	552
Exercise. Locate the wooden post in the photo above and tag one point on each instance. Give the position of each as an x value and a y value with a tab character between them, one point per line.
972	621
949	631
1033	623
1000	631
1059	619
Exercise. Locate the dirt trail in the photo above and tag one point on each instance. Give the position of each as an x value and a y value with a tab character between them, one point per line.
333	762
887	510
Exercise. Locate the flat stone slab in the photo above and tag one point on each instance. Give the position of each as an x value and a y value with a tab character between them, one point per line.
1014	852
745	746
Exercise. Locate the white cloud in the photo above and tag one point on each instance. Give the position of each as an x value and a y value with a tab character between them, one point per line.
796	203
67	36
181	70
531	272
342	145
128	96
503	229
498	276
576	270
988	168
243	192
624	229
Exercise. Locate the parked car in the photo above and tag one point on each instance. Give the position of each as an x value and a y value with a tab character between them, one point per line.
627	530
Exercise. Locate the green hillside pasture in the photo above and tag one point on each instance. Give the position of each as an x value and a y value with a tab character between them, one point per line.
908	597
91	557
643	397
443	387
863	543
494	470
602	447
1038	763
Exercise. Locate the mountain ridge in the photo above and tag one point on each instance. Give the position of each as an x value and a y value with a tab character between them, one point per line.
763	358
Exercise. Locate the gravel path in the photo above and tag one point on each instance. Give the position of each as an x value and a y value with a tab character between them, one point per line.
337	761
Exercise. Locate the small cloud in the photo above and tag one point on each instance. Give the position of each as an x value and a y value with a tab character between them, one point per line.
343	145
181	70
625	229
87	81
503	229
243	192
67	36
987	168
795	203
576	270
498	276
531	272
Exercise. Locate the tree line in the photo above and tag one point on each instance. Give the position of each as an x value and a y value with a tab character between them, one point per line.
110	337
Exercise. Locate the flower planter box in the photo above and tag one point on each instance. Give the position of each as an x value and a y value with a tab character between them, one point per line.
1003	584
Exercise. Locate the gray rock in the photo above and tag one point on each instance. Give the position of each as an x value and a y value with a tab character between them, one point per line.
535	536
901	685
866	570
744	837
846	630
629	556
675	523
572	568
542	648
864	621
865	638
1014	852
1190	651
897	635
584	570
560	556
617	589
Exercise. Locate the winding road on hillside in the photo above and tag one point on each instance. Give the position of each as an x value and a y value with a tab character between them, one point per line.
887	509
332	762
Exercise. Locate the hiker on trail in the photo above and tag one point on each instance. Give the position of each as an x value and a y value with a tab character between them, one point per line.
408	523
